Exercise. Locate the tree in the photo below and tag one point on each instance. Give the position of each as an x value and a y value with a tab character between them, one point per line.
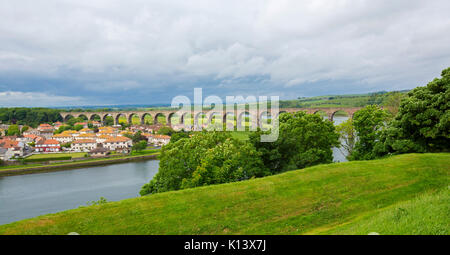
165	130
369	123
13	130
423	121
178	135
392	101
78	127
347	134
139	146
304	140
109	121
25	128
205	158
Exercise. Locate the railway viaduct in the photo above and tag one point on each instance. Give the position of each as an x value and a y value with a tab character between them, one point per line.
254	115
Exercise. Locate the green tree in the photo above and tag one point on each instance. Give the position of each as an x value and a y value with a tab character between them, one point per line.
141	145
203	159
13	130
25	128
178	135
347	134
369	122
165	130
392	102
78	127
304	140
423	121
109	121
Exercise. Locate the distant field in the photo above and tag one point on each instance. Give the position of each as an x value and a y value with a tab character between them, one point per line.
58	155
344	198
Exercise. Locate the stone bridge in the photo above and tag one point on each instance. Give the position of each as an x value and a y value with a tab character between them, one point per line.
254	115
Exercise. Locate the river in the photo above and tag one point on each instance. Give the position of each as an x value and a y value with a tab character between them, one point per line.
31	195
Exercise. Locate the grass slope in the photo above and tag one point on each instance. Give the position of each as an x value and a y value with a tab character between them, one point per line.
312	200
428	214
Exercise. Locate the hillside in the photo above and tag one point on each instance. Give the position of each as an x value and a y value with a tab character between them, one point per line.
333	198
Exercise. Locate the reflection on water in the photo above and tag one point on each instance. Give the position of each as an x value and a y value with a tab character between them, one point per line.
26	196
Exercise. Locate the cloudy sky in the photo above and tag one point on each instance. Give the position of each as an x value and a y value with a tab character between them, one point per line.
56	53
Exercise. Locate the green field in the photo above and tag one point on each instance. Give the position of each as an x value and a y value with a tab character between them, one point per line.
333	198
57	155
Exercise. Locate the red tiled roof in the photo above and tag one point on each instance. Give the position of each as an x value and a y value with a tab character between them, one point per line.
85	141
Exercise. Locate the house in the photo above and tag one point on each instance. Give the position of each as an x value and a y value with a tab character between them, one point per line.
32	131
6	154
84	124
14	148
63	138
102	138
159	140
118	142
58	124
84	145
49	145
86	136
99	152
86	131
96	123
45	127
123	150
30	138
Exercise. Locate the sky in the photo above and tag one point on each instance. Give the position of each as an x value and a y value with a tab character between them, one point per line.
109	52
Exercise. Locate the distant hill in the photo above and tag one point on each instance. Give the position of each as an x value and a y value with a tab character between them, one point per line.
352	100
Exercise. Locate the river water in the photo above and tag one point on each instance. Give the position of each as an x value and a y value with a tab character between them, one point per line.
31	195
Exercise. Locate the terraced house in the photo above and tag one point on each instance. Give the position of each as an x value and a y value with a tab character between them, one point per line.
83	145
119	142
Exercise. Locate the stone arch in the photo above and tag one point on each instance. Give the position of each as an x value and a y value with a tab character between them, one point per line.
83	116
339	113
226	120
130	117
143	121
214	116
197	116
263	116
176	118
159	114
67	117
117	118
93	117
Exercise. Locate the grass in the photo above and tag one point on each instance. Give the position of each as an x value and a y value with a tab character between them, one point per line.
427	214
57	155
304	201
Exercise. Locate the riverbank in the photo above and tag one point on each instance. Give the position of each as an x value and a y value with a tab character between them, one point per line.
311	200
36	168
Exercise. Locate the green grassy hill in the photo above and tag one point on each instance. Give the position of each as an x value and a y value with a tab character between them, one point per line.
353	197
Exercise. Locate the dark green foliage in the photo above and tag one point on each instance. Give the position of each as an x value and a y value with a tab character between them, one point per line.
205	158
368	123
78	127
109	121
166	131
178	135
423	121
13	130
304	140
29	116
139	146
